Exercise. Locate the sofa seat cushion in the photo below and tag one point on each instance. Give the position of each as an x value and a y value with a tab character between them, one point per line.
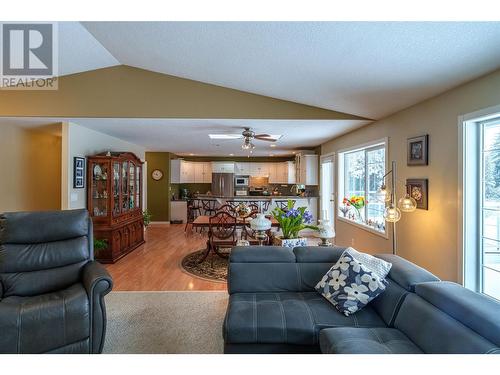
45	322
348	340
287	318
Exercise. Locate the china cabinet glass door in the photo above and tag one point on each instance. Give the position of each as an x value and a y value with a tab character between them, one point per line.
99	189
131	183
125	193
138	187
116	189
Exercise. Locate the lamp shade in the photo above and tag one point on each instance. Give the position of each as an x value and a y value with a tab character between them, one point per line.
392	214
407	203
260	223
383	195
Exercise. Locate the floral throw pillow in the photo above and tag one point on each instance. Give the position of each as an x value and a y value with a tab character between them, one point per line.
350	284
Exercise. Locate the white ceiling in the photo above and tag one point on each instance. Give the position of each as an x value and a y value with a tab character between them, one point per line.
370	69
185	137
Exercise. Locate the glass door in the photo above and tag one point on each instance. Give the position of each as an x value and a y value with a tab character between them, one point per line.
489	258
327	188
99	189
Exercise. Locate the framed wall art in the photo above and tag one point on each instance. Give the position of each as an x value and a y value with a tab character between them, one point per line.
418	150
418	189
78	173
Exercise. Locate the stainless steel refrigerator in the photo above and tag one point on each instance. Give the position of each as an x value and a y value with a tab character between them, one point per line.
223	184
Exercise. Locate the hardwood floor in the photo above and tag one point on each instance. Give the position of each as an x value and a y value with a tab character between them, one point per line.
156	264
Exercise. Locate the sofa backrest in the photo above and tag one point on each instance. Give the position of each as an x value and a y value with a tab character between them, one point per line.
401	280
280	269
444	317
41	252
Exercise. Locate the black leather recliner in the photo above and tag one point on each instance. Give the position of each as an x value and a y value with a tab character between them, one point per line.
51	290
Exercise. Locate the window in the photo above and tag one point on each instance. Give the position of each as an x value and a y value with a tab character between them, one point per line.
489	257
361	173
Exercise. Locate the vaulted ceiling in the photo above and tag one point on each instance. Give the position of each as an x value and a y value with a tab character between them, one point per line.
369	69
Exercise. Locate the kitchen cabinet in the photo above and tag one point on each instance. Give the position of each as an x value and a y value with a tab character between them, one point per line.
242	169
259	169
182	172
282	173
306	167
222	167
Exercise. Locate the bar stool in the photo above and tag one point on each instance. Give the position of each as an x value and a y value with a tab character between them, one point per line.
193	211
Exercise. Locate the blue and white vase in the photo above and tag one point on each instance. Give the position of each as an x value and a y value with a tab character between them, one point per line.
290	242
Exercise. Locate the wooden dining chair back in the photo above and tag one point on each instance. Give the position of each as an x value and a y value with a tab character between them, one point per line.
265	205
227	208
209	206
233	204
222	231
283	204
193	211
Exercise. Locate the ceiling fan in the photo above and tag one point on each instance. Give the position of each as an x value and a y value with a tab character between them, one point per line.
247	135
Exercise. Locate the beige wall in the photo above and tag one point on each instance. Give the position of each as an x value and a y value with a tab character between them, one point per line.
80	141
124	91
428	238
30	168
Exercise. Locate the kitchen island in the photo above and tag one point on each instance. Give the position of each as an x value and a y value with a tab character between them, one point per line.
310	202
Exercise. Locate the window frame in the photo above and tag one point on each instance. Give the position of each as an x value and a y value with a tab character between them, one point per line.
470	196
382	143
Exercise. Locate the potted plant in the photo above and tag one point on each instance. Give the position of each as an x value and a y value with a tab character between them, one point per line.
99	245
146	216
292	221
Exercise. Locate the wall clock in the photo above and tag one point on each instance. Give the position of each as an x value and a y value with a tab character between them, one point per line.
157	175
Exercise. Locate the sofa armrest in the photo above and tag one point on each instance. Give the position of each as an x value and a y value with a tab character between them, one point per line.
97	282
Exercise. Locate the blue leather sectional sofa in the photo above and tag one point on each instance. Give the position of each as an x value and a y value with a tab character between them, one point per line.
274	308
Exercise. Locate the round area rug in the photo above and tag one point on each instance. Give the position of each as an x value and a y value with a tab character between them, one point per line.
214	268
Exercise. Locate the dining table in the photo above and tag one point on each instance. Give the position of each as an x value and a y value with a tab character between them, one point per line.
203	221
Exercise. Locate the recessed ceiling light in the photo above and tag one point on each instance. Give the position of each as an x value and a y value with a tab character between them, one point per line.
293	152
191	154
271	154
231	154
272	145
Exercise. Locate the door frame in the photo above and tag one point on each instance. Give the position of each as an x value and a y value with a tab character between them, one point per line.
329	156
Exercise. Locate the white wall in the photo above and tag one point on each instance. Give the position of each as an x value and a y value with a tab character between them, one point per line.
80	141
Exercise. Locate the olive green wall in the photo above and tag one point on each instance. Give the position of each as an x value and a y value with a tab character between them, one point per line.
158	191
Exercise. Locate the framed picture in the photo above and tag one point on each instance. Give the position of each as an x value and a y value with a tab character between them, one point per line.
78	173
418	150
418	189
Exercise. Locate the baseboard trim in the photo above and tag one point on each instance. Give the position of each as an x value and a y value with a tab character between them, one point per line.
159	222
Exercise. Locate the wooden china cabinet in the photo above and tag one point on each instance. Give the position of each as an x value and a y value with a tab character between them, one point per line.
114	200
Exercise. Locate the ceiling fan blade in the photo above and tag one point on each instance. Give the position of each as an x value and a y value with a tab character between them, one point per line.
264	137
226	136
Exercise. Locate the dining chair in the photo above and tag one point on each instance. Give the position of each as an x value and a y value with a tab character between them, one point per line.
233	204
193	211
227	208
283	204
221	233
209	206
265	205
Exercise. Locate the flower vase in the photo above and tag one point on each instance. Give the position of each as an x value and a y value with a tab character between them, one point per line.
290	242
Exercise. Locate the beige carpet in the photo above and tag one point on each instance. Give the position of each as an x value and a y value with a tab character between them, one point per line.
165	322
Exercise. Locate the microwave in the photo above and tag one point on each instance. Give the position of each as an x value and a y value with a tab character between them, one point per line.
241	181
